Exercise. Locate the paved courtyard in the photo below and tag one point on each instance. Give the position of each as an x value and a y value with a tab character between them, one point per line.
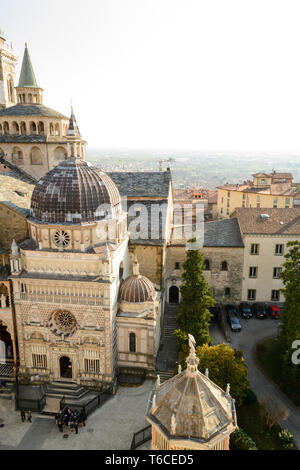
111	427
253	332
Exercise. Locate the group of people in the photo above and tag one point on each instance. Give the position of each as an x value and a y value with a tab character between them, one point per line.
71	419
23	416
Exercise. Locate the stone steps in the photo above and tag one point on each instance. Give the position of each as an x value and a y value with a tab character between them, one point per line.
70	390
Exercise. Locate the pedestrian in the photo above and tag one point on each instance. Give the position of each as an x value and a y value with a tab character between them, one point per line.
60	426
23	416
29	416
76	426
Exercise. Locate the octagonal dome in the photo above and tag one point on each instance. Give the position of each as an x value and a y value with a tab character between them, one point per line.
74	192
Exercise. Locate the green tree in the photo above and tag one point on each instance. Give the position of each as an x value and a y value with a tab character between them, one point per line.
194	315
290	317
225	365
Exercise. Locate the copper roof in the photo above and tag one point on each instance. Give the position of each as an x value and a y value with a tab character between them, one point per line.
137	289
73	192
285	221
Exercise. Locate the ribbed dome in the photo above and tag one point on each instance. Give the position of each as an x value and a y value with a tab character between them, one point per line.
73	192
137	289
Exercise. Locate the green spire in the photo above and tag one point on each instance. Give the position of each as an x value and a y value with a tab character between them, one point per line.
27	77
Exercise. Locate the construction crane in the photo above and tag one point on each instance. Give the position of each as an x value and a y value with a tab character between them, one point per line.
170	160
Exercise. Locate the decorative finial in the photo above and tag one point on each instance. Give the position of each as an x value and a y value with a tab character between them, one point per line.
26	45
136	267
228	390
14	248
173	424
179	369
207	373
192	360
154	402
158	381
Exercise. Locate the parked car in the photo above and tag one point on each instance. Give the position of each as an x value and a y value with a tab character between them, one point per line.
260	311
231	309
234	323
274	311
245	310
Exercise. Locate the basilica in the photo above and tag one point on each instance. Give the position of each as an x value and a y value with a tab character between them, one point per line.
89	260
76	301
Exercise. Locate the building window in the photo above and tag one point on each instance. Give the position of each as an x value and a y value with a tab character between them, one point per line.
206	265
177	265
254	249
251	294
275	203
39	361
279	250
287	202
276	273
243	204
92	366
221	210
227	291
228	203
275	297
224	266
227	212
132	343
228	194
253	272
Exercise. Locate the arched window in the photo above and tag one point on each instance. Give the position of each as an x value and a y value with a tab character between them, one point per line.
17	156
23	128
60	154
41	128
51	128
15	128
5	128
224	266
10	90
206	265
56	129
32	128
1	129
36	156
132	343
2	154
30	98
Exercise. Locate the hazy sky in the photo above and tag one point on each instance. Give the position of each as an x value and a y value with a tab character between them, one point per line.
159	74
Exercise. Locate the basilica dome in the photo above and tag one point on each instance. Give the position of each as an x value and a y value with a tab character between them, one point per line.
74	192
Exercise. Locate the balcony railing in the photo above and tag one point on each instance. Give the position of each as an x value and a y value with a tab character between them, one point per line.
62	299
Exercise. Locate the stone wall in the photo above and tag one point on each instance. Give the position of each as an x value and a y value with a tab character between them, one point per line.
218	280
13	225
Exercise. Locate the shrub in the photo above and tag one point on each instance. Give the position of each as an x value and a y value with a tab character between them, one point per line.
287	437
239	440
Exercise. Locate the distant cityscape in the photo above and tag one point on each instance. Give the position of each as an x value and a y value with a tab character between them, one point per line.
205	170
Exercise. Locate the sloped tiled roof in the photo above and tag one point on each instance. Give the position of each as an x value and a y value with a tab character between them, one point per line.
142	184
283	221
31	110
223	233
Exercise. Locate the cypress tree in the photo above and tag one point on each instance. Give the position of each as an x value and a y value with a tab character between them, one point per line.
193	314
290	317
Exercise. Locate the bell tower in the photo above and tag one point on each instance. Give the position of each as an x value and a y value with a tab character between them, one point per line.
8	62
28	91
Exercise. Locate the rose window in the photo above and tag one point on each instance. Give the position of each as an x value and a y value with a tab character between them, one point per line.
63	323
62	238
